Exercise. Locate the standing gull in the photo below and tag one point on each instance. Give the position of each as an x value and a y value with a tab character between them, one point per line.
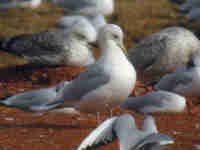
184	82
105	84
130	137
164	51
63	47
159	101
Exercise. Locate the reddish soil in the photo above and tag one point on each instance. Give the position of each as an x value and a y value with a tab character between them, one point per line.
24	131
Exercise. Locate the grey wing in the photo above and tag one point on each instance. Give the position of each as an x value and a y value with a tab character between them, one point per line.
102	135
31	98
159	138
147	51
87	81
36	44
171	81
139	102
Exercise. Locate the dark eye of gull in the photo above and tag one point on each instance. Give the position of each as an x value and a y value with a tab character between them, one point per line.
115	36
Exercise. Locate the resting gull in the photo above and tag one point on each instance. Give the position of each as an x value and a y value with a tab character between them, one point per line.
35	100
62	47
164	51
105	84
156	101
188	5
86	7
97	21
130	137
5	4
184	82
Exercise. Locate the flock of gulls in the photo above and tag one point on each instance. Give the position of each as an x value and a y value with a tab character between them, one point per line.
172	55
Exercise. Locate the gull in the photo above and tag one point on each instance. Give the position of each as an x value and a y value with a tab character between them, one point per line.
106	83
185	82
194	14
188	5
156	101
102	86
34	101
86	7
164	51
5	4
97	21
130	137
62	47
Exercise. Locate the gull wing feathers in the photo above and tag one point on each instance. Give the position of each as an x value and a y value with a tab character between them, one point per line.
103	134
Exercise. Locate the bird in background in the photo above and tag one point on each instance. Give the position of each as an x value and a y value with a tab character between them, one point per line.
86	7
66	46
155	101
5	4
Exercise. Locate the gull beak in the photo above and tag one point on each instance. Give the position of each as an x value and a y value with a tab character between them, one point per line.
121	45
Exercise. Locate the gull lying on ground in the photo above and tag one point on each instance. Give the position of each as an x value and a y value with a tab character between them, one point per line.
86	7
130	137
97	21
159	101
164	51
105	84
194	14
5	4
35	100
184	82
188	5
62	47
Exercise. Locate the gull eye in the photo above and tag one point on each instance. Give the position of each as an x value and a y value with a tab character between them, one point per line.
115	36
81	36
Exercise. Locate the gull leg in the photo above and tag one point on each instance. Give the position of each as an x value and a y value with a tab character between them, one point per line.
109	110
188	107
98	118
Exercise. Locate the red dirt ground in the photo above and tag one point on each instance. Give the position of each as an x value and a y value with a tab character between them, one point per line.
25	131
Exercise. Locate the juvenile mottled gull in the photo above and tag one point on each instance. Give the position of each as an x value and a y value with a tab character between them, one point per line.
105	84
185	82
160	101
97	21
5	4
86	7
62	47
164	51
130	137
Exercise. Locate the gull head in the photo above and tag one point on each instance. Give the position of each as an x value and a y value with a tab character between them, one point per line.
111	33
84	30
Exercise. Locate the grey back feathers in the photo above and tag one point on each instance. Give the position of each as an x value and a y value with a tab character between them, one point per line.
124	129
